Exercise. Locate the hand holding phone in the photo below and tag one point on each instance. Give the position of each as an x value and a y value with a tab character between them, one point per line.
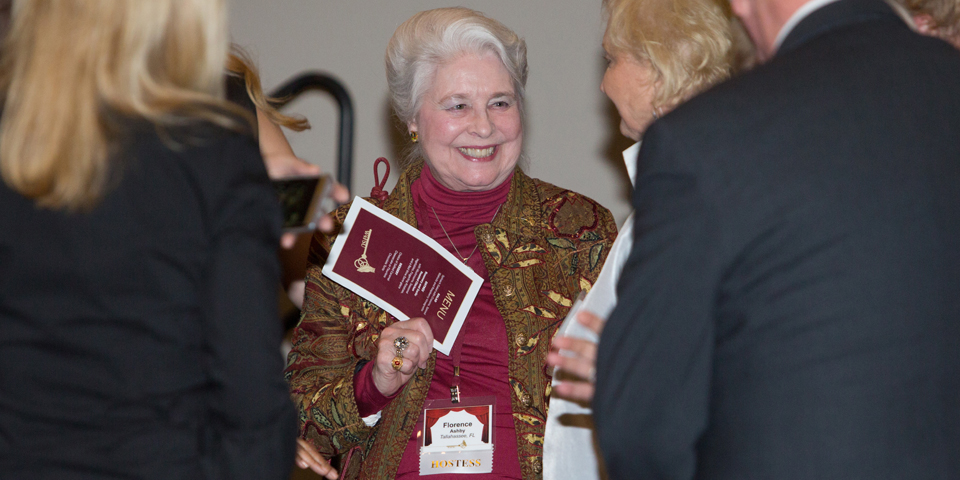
304	201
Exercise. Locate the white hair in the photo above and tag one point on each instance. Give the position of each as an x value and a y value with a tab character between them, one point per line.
433	37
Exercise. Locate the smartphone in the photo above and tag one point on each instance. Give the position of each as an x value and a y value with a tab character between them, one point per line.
304	201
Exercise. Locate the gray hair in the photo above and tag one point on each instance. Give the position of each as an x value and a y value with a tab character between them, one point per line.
431	38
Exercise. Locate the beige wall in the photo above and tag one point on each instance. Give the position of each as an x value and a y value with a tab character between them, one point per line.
572	137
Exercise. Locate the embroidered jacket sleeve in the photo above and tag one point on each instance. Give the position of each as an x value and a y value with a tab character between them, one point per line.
337	331
330	341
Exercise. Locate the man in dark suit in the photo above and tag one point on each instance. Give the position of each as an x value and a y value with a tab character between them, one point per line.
791	306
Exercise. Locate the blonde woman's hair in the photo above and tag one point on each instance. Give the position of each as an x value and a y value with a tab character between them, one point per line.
240	64
744	52
71	70
686	42
944	13
433	37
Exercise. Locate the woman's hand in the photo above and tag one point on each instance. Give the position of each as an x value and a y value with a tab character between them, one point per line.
308	457
281	166
582	365
281	162
339	193
420	343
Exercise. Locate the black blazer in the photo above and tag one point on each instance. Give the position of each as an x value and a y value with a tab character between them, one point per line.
141	339
791	306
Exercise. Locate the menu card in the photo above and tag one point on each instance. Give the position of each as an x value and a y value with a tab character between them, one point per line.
403	271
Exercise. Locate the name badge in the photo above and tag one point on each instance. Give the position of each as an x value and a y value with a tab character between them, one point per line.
458	438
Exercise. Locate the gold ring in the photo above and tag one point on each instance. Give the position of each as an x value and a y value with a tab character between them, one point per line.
401	344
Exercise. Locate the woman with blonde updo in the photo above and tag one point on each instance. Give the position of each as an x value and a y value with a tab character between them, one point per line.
659	54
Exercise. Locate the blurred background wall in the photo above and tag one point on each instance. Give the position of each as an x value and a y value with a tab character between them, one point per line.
572	136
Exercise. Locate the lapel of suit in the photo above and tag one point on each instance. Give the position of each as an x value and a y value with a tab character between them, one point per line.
836	15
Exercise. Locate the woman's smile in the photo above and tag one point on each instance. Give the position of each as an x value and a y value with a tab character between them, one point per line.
481	154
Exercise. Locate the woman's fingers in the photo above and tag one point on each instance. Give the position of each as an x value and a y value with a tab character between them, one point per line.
280	165
411	356
306	454
424	341
578	361
418	334
578	348
325	224
288	240
577	391
579	357
578	371
391	371
591	321
340	193
308	457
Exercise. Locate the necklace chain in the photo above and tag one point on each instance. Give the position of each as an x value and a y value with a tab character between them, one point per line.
465	259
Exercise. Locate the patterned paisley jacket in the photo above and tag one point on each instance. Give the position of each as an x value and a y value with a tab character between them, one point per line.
546	245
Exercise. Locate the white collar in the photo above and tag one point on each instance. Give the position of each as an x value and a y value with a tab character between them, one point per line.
630	160
798	16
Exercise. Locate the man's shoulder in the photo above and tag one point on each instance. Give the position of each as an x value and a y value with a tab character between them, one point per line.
855	67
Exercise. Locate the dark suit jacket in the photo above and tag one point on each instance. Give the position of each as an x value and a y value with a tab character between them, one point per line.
791	307
140	339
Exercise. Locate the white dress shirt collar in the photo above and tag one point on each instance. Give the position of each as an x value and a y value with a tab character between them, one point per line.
797	17
630	160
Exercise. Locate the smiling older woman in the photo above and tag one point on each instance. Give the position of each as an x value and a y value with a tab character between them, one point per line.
457	80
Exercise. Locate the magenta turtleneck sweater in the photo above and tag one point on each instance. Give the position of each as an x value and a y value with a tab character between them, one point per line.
484	357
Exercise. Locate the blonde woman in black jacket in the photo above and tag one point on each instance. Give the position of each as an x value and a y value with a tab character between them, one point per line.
138	332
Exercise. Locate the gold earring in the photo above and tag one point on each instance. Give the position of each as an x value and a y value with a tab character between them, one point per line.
414	138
